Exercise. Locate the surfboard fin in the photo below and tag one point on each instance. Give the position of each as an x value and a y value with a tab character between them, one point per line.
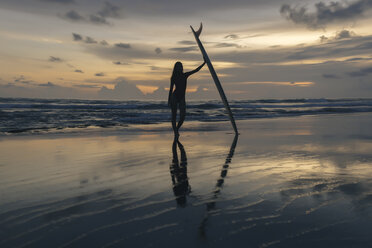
199	30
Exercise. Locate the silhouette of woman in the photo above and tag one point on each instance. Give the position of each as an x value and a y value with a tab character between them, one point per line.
176	98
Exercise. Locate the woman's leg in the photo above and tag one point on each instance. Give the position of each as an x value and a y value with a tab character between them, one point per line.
174	116
182	105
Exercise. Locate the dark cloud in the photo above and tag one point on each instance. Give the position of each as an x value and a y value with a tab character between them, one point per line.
99	74
119	63
361	73
103	43
184	49
123	45
49	84
154	68
90	40
97	19
357	59
87	39
344	34
323	38
158	50
54	59
329	76
325	14
186	42
110	10
224	44
79	71
232	36
59	1
77	37
74	16
21	79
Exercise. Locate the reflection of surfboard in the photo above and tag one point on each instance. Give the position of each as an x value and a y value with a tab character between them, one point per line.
214	76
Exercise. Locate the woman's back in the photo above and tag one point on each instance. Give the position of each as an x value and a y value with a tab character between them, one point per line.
180	82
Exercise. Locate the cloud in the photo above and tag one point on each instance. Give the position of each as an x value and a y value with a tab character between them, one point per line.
54	59
334	49
186	42
74	16
49	84
329	75
21	79
155	68
224	44
90	40
158	50
103	43
184	49
119	52
358	59
79	71
46	90
361	73
123	45
232	36
76	37
323	38
325	14
122	90
59	1
99	74
110	10
87	39
344	34
119	63
97	19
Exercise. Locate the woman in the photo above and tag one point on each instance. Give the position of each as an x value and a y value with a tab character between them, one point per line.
176	98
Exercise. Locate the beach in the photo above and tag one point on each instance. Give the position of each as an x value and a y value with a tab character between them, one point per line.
301	181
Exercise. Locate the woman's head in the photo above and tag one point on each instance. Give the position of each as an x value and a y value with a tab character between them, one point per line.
178	68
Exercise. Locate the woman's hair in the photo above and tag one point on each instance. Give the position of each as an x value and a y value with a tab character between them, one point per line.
177	69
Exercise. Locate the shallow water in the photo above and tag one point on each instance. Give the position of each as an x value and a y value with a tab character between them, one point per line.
20	115
287	182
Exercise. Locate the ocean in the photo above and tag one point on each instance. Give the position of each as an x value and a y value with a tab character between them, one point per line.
64	115
77	173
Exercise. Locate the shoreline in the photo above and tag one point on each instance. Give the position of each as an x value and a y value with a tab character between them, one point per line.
188	126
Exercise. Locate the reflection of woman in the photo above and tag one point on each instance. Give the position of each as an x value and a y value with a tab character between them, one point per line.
176	98
181	187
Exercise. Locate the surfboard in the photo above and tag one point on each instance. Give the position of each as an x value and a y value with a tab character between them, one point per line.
214	76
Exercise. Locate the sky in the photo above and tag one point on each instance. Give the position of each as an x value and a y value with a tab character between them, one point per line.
91	49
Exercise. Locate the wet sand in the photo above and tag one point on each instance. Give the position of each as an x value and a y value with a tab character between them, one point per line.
286	182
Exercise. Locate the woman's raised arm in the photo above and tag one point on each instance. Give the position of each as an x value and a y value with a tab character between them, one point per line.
196	70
